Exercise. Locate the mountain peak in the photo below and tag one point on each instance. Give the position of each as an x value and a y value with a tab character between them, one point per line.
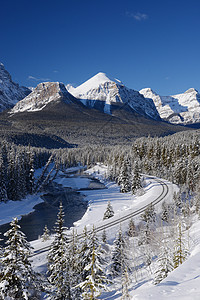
147	91
10	92
191	90
43	94
94	83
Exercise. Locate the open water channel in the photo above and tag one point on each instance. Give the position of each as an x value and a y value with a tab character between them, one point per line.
45	213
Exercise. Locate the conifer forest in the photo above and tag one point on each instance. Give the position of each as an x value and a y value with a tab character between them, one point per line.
91	264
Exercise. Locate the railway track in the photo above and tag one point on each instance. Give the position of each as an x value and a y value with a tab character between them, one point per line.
163	194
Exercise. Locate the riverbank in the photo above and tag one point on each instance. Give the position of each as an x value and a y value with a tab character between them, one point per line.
39	210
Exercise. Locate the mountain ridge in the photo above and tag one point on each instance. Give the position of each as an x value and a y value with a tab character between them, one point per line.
183	108
10	92
101	91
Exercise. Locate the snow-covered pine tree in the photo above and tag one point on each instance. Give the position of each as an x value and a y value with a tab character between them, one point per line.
83	255
58	262
165	212
3	176
165	265
12	181
96	280
136	180
45	237
180	252
21	190
18	280
164	262
109	211
131	228
74	268
104	236
124	178
148	217
149	214
119	256
177	200
30	181
125	285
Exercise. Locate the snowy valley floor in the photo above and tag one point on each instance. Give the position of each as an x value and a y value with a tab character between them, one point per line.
182	283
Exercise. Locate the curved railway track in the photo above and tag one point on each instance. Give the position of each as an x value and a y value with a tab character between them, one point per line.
165	190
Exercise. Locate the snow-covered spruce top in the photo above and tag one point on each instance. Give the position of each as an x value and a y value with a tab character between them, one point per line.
43	94
10	92
179	109
101	88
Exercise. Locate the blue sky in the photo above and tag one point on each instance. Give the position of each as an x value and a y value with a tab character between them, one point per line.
143	43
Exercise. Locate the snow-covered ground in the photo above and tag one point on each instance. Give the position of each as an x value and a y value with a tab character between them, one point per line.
182	283
122	203
12	209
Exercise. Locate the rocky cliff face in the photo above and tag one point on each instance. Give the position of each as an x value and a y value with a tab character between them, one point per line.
178	109
10	92
43	94
102	92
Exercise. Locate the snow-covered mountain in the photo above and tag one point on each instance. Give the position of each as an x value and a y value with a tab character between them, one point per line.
178	109
102	92
43	94
10	92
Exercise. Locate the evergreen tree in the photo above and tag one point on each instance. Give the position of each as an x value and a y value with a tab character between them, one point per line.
83	255
136	181
18	280
165	264
74	268
104	237
12	180
3	176
109	211
131	229
119	256
180	252
149	214
45	236
96	279
165	212
58	262
124	178
30	172
125	285
148	217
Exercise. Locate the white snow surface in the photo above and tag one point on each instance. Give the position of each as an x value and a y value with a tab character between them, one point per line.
181	284
101	92
12	209
122	203
178	109
92	83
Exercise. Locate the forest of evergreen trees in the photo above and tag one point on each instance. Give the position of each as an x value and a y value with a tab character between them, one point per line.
84	268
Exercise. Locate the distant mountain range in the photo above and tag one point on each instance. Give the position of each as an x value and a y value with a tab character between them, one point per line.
178	109
104	94
101	110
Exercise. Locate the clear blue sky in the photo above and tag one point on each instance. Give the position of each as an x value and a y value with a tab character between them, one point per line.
144	43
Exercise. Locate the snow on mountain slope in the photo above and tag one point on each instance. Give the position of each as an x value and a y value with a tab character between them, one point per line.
43	94
101	92
10	92
179	109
